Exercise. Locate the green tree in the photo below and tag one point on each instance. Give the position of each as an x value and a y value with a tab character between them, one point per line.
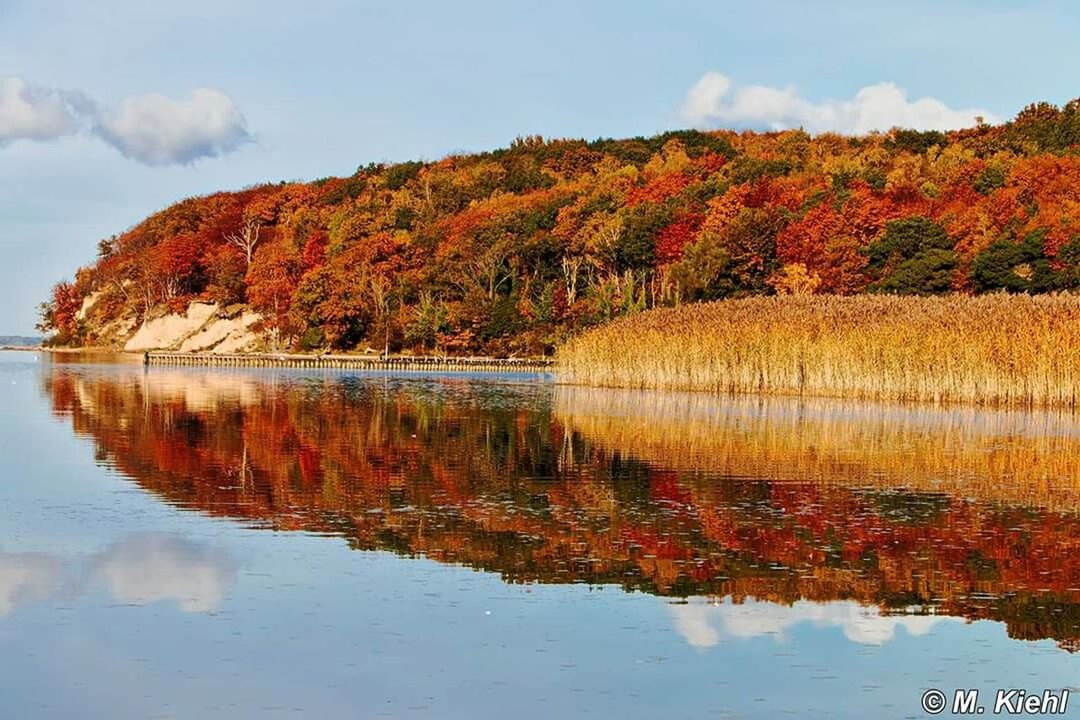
701	273
914	256
635	248
928	273
1018	266
429	319
905	239
750	244
915	141
1069	259
990	179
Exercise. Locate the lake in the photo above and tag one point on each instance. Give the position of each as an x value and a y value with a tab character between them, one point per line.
212	543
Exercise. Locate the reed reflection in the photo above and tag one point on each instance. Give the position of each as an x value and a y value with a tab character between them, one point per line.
898	511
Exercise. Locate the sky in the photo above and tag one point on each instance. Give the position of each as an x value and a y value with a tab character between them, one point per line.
112	110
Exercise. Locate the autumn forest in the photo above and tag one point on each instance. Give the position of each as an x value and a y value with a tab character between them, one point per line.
515	250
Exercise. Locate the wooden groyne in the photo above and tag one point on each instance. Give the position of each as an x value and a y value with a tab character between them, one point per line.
429	363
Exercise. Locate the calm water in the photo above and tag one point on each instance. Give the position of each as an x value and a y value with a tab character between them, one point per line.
268	544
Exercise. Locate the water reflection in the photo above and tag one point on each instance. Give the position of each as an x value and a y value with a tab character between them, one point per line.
146	568
27	578
704	624
139	569
1016	457
866	518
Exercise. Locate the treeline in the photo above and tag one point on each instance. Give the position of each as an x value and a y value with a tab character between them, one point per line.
513	250
19	341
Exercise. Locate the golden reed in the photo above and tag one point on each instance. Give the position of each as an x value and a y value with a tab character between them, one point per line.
1006	455
996	349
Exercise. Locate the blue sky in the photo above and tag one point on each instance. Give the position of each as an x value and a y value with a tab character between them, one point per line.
305	90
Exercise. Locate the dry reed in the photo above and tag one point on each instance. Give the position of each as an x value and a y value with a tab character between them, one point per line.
988	349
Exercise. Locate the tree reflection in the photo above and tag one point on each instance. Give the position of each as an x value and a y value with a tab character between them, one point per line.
551	486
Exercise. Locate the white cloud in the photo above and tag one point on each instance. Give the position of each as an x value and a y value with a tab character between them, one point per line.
703	625
28	112
713	101
152	129
157	130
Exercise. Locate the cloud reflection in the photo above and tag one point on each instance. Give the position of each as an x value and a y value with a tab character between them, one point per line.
27	578
704	625
140	569
151	567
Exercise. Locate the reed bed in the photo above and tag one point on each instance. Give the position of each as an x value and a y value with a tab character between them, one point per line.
1004	350
999	455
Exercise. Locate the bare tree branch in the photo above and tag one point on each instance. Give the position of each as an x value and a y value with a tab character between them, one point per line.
247	238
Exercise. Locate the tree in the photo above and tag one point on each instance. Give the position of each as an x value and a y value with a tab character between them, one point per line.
176	267
928	273
635	248
914	141
314	254
702	272
671	239
429	319
271	280
225	271
1017	266
795	279
571	268
59	314
905	239
914	256
600	238
335	299
247	237
749	242
1038	123
990	179
1068	259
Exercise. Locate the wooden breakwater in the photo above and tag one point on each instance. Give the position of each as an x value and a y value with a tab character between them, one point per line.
428	363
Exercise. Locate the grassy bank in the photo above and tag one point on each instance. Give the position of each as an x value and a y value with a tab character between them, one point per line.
990	349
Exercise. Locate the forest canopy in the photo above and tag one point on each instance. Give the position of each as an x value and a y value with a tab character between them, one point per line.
512	251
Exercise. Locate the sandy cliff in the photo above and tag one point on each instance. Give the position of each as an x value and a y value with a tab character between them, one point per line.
205	327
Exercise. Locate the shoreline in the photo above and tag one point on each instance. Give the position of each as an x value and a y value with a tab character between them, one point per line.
439	363
560	367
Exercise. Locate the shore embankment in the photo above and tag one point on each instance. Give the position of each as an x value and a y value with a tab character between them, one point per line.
430	363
